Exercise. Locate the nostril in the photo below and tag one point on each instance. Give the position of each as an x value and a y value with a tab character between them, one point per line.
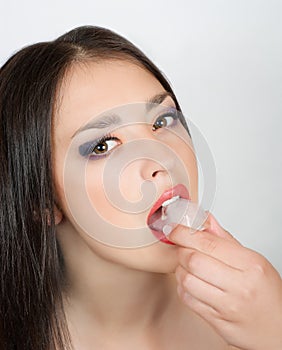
155	173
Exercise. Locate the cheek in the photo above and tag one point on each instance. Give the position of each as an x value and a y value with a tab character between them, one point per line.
108	198
190	163
181	144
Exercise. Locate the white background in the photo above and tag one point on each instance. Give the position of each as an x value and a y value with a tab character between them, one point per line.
224	60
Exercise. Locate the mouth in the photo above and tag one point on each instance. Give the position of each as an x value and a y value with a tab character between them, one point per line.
156	212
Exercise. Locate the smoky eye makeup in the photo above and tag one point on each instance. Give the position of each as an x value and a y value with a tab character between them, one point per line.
167	118
101	147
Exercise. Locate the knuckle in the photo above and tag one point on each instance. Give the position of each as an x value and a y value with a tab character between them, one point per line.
178	274
187	281
182	254
208	243
188	300
233	310
181	274
248	293
180	291
259	266
193	260
189	259
178	270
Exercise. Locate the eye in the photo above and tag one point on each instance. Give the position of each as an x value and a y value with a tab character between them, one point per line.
104	146
166	120
100	147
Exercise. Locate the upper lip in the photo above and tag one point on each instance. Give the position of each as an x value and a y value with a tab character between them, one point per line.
178	190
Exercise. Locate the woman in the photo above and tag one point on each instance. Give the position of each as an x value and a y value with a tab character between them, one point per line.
59	286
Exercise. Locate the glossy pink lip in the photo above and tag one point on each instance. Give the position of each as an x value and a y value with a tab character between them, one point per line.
178	190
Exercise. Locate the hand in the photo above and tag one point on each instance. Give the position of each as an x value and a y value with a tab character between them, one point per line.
236	290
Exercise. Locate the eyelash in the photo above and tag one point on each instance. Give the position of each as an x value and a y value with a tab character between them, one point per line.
87	148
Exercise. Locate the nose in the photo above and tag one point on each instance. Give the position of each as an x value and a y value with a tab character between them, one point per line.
161	166
156	170
156	158
150	168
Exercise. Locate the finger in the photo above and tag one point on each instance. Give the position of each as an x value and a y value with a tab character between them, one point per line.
201	290
221	324
220	248
202	309
209	269
204	292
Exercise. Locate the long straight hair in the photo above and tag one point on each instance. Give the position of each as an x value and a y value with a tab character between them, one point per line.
31	262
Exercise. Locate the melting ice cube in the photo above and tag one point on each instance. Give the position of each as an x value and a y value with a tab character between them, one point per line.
180	211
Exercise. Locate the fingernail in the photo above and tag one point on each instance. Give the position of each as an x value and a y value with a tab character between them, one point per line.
167	229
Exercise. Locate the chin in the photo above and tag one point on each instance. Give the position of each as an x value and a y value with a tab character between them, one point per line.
160	261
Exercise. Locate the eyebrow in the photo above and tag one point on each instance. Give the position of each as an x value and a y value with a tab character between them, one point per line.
113	119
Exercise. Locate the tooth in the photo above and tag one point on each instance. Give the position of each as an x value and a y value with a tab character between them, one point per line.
164	213
169	201
165	205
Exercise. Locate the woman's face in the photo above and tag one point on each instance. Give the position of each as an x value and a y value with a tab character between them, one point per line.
106	189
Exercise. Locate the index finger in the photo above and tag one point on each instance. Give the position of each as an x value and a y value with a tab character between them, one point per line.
227	251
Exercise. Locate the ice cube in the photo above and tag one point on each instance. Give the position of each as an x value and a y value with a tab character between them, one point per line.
181	211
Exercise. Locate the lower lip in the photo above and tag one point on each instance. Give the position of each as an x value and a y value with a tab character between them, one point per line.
161	237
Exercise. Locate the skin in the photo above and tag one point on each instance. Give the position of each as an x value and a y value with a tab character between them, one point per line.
235	289
129	298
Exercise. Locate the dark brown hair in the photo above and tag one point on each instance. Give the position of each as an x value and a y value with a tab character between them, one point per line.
31	262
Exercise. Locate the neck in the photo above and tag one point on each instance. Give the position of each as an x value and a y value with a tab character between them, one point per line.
111	296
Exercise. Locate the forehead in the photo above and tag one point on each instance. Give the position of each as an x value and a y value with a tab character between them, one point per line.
94	87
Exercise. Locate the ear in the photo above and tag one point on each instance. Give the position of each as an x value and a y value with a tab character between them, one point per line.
58	215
